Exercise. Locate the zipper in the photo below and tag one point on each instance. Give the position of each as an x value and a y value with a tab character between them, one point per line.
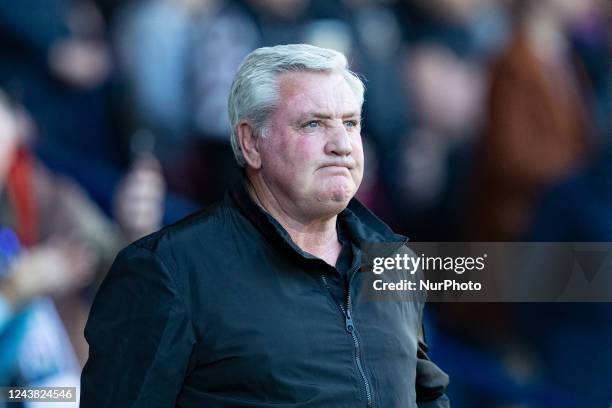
350	328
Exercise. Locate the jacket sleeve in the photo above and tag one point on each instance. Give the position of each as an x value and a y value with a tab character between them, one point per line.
431	381
140	336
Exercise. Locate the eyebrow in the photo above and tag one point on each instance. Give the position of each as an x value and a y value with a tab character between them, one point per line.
323	115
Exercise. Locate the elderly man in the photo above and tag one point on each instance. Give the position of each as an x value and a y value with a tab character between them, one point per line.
257	301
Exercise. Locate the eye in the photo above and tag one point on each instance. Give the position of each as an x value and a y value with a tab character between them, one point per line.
351	123
313	124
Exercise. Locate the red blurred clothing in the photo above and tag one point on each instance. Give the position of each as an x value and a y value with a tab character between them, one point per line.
40	205
536	132
20	190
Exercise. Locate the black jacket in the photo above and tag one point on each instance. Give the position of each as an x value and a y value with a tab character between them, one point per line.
223	310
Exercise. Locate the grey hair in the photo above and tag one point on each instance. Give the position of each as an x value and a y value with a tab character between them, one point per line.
254	94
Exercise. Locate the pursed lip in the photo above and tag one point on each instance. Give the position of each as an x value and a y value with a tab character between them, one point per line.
348	166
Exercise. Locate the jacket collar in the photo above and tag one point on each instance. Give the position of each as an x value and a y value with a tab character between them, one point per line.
362	225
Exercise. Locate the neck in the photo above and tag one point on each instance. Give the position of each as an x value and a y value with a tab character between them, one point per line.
315	235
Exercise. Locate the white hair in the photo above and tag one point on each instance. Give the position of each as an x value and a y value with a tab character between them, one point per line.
254	94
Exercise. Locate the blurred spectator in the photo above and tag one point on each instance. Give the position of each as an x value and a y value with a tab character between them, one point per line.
471	28
34	347
224	34
422	65
446	92
447	97
153	41
68	236
55	62
537	130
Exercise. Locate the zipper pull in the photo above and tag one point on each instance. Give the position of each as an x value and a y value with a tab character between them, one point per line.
349	322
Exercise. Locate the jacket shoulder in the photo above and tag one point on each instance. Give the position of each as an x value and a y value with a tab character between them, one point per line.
205	231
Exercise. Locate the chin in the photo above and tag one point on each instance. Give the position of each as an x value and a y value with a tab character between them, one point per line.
341	197
340	194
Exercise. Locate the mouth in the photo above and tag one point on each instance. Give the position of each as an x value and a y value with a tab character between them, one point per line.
337	166
336	170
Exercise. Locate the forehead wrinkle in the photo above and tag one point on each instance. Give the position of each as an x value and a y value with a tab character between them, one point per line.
298	91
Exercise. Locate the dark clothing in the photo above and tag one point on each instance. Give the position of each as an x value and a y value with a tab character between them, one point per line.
345	258
224	310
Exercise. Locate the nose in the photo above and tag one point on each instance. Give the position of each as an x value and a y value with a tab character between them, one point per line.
339	142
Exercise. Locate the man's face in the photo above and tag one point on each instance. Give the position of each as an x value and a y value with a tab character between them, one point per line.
312	157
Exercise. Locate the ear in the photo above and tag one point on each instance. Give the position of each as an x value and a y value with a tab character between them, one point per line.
248	144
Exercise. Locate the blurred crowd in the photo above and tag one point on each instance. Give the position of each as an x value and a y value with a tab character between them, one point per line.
484	120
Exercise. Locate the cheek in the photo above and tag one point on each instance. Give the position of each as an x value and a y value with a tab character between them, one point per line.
289	146
358	150
306	149
302	152
286	156
359	160
358	153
